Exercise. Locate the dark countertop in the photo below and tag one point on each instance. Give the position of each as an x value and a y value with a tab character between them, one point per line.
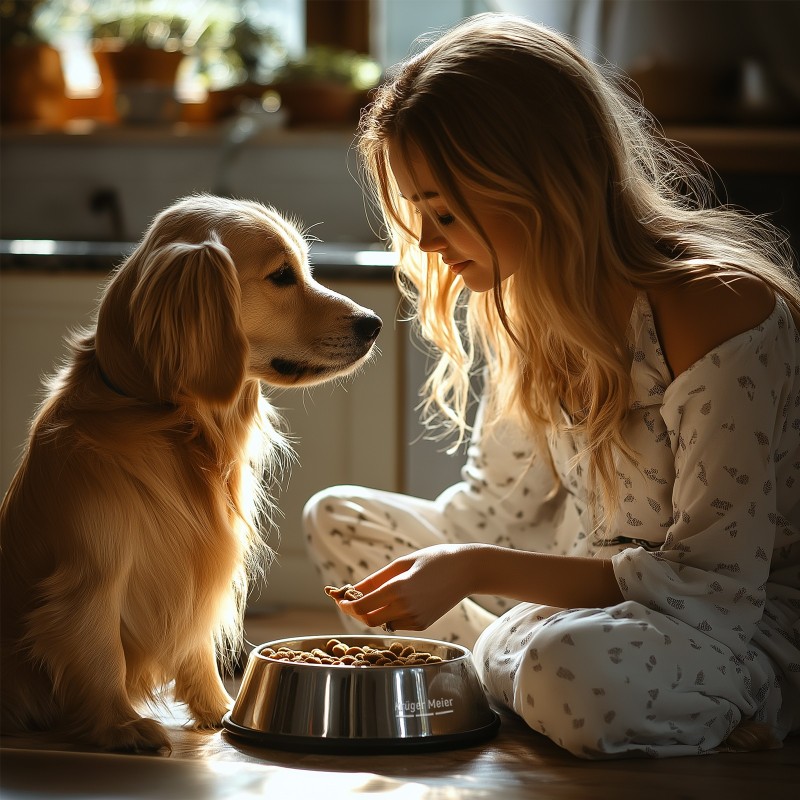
342	261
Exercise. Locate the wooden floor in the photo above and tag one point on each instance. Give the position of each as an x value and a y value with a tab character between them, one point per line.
516	764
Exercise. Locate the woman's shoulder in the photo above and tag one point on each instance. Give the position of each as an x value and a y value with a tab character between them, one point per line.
694	317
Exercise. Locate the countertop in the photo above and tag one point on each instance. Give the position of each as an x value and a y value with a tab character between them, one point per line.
345	261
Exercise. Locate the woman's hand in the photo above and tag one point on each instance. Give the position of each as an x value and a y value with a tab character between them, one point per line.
413	591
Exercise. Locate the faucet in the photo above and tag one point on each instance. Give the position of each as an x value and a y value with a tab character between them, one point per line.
106	201
253	117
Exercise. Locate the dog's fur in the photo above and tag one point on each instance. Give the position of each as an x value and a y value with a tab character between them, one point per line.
132	524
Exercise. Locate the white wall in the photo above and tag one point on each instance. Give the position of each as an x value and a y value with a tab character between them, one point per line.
48	179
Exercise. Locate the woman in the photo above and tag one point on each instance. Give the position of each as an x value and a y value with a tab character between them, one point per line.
624	550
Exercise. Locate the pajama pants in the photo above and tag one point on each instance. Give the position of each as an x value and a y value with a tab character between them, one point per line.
604	682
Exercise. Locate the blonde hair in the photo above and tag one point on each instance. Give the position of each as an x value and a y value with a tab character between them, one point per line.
511	110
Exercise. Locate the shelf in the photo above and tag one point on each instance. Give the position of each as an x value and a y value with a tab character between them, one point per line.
181	134
727	148
330	260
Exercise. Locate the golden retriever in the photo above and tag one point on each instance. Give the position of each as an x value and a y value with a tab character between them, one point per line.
132	525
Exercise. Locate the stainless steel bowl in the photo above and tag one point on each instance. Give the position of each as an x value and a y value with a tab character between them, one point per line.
318	707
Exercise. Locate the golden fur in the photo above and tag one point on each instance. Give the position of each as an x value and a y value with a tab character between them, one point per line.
132	524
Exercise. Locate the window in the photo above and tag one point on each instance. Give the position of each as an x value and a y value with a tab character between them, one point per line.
217	34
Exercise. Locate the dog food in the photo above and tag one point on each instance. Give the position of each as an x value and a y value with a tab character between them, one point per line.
346	592
337	653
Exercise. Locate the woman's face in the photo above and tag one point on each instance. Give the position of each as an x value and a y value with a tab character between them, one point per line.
441	232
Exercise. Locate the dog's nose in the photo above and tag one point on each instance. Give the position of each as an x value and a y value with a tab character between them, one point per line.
367	326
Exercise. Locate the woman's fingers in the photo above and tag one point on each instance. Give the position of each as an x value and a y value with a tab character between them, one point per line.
412	591
383	605
368	607
382	601
377	591
393	619
379	578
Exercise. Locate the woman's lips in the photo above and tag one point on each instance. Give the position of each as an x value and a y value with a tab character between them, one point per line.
456	267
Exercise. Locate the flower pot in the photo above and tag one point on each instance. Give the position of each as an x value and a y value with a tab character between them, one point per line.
32	87
137	63
318	102
224	103
143	80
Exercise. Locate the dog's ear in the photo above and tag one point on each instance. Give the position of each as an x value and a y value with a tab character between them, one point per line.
185	311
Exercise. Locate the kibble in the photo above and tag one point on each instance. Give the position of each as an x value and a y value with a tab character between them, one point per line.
346	592
337	653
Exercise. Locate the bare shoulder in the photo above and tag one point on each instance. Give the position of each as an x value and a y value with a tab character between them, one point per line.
695	317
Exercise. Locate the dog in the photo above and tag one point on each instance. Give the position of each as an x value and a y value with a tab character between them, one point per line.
133	524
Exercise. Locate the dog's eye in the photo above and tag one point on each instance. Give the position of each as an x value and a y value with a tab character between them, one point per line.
283	277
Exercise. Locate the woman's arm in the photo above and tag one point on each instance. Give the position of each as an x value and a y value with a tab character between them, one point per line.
548	579
415	590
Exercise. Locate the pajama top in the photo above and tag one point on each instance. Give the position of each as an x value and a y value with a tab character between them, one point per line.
707	528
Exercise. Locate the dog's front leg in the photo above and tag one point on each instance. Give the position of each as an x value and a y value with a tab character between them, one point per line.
198	684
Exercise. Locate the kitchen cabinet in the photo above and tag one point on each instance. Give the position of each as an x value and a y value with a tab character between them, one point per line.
349	431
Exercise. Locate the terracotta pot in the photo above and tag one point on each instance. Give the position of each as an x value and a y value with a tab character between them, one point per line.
224	103
142	80
135	63
32	87
318	102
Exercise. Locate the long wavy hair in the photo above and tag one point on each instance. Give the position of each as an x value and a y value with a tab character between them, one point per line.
511	110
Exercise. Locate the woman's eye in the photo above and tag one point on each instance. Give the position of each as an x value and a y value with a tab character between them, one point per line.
283	277
442	219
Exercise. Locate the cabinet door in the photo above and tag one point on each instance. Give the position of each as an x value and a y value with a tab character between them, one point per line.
38	311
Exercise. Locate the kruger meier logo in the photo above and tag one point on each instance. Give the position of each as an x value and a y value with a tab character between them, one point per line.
434	707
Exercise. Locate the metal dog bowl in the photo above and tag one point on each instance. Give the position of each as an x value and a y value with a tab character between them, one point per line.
349	709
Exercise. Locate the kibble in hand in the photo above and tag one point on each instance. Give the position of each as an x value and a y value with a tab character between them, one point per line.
346	592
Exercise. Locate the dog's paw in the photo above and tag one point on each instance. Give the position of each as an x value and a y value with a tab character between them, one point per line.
209	718
138	735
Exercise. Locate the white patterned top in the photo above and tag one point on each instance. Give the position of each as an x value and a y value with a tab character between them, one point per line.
708	525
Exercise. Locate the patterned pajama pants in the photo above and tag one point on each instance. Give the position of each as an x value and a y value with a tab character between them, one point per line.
617	681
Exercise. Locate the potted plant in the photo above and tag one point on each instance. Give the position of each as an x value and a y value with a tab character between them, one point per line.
238	62
139	55
326	85
32	87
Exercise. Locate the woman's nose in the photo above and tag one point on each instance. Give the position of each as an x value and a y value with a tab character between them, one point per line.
430	238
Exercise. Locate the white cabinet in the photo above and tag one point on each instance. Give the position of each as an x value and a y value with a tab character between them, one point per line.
345	432
38	310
